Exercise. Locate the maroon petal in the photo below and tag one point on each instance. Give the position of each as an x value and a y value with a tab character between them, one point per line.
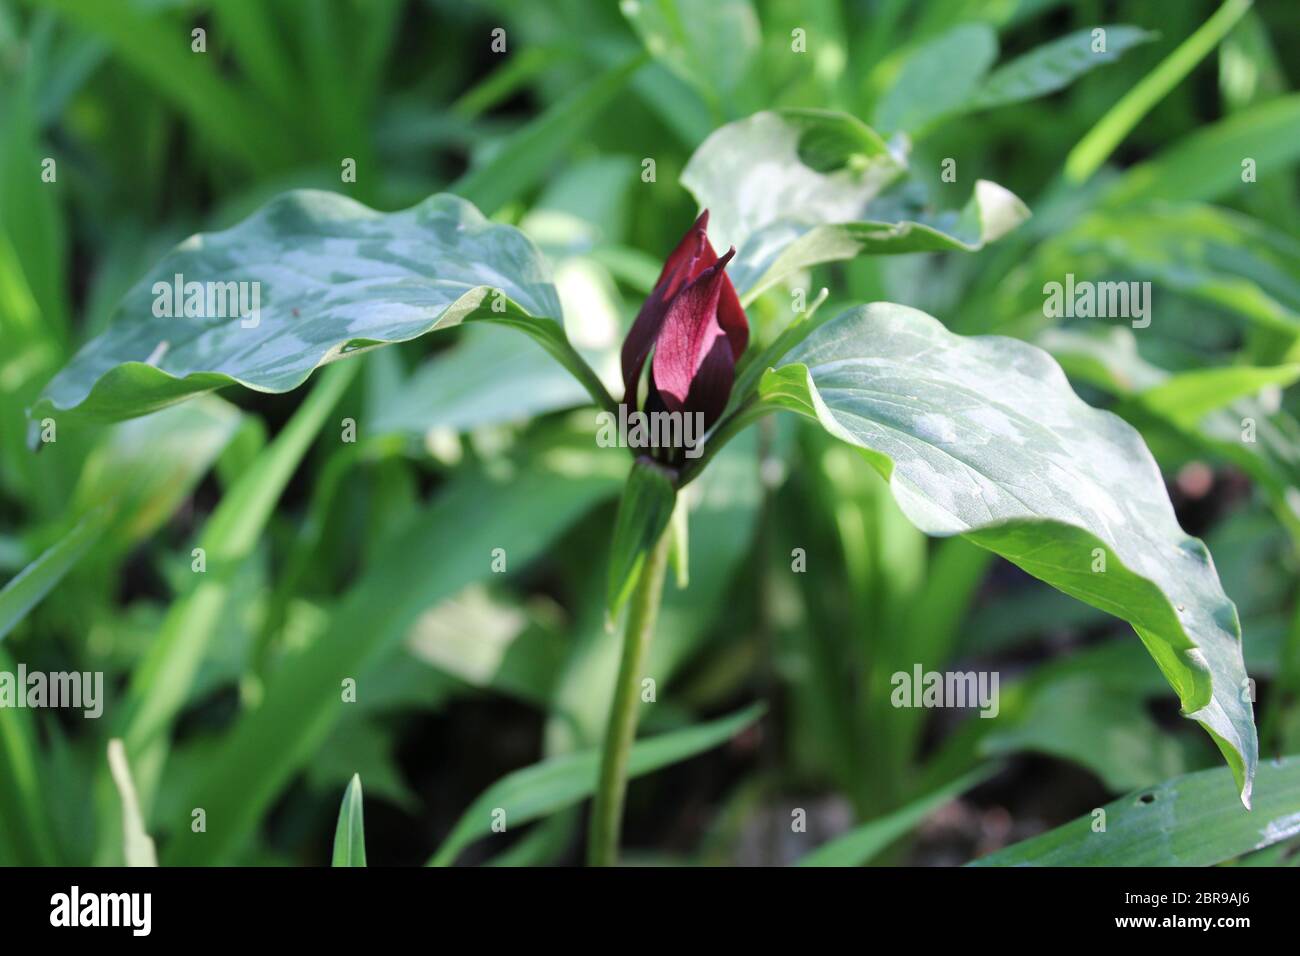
713	380
732	318
682	261
682	265
688	337
730	315
708	397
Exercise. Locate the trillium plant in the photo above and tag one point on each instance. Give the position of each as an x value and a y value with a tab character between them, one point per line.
980	437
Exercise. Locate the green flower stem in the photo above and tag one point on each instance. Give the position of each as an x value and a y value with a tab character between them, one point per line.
643	609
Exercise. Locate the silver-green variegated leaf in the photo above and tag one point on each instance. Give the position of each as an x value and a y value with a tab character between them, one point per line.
311	277
984	437
795	188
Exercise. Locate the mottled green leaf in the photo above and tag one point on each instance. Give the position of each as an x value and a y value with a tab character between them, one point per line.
799	187
333	277
494	376
984	437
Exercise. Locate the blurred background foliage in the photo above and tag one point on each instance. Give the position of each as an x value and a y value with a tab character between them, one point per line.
354	554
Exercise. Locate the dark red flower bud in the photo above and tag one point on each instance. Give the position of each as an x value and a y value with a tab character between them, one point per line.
694	325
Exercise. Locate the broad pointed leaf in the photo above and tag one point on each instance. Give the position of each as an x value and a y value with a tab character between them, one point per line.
984	437
1186	821
709	44
320	276
799	187
938	77
1055	65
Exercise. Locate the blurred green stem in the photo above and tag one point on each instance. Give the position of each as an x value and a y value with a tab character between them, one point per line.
1102	140
607	810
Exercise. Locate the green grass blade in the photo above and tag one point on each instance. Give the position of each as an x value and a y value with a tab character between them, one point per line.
543	788
228	117
36	580
26	831
861	843
350	834
1187	397
1206	165
137	846
163	677
251	32
1054	66
445	548
31	218
129	484
525	157
505	81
